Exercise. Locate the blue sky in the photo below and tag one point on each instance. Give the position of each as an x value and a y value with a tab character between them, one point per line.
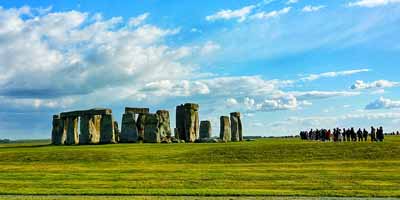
286	65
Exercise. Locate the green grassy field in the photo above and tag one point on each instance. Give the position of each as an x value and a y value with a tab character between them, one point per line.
267	167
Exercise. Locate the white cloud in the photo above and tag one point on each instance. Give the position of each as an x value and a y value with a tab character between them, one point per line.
380	84
383	103
41	59
372	3
313	77
136	21
231	102
310	8
272	14
239	14
209	47
307	95
292	1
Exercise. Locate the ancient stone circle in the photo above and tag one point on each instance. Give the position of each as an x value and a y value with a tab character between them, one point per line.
97	126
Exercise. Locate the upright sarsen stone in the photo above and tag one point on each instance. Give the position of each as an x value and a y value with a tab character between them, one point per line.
164	125
236	127
140	124
90	129
71	124
58	135
205	129
129	132
107	135
180	123
187	121
116	131
151	129
225	129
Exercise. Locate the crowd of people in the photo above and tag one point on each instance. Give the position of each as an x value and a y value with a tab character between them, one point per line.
344	135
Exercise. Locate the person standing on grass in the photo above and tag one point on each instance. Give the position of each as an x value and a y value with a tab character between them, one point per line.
380	134
340	137
373	134
353	135
360	135
348	135
328	135
344	134
365	135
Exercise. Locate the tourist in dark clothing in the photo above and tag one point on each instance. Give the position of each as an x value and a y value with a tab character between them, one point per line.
365	135
373	134
360	135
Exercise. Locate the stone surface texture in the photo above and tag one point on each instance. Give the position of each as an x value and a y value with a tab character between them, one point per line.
225	129
205	129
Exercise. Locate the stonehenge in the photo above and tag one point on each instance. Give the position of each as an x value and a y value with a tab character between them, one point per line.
225	129
236	127
187	122
58	135
205	129
152	128
98	126
132	127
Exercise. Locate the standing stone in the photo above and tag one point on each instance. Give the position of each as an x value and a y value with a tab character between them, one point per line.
176	133
225	129
72	130
236	127
140	124
180	123
107	135
90	129
129	132
187	121
151	129
205	129
164	126
57	133
116	132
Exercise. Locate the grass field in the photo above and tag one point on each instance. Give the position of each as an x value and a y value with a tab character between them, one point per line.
266	167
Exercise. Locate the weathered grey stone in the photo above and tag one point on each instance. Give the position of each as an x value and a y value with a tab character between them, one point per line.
129	132
151	129
225	129
187	121
94	111
117	133
236	127
140	124
72	130
90	129
57	134
205	129
164	125
107	135
180	123
176	133
136	110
